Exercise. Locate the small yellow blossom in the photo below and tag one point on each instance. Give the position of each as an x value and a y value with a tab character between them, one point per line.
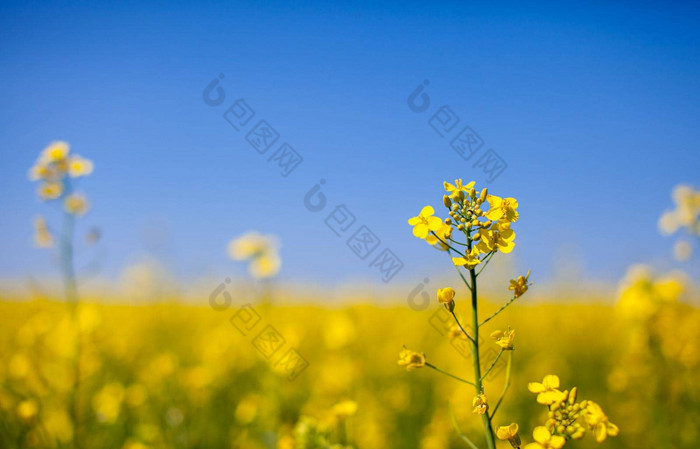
470	261
345	408
499	236
480	404
27	409
454	190
260	250
75	204
682	250
510	434
545	440
411	359
50	190
42	235
502	209
79	166
55	152
504	339
425	222
519	286
446	295
43	171
598	422
547	391
265	266
455	332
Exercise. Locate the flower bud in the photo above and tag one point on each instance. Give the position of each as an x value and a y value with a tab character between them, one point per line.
447	201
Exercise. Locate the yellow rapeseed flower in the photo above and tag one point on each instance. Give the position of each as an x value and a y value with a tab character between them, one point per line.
42	235
480	404
598	422
27	409
470	261
411	359
547	391
79	166
50	190
520	285
425	222
502	209
499	236
504	339
260	250
446	295
55	152
76	204
454	190
345	408
545	440
265	266
510	434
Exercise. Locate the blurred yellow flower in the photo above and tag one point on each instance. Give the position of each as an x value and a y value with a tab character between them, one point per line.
107	402
55	152
345	408
504	339
261	252
411	359
42	235
545	440
79	166
76	204
682	250
425	222
547	391
598	422
520	285
50	190
27	409
480	404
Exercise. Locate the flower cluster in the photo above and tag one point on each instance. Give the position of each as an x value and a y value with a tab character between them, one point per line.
260	250
53	169
484	223
484	219
684	216
564	416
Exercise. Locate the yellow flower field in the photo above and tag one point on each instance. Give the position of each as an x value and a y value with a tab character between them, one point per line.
174	376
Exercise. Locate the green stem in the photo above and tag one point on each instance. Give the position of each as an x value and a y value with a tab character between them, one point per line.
505	387
492	365
486	419
486	261
460	327
71	296
448	374
447	244
498	311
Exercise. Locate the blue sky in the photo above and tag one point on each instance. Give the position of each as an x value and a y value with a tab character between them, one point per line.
593	106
